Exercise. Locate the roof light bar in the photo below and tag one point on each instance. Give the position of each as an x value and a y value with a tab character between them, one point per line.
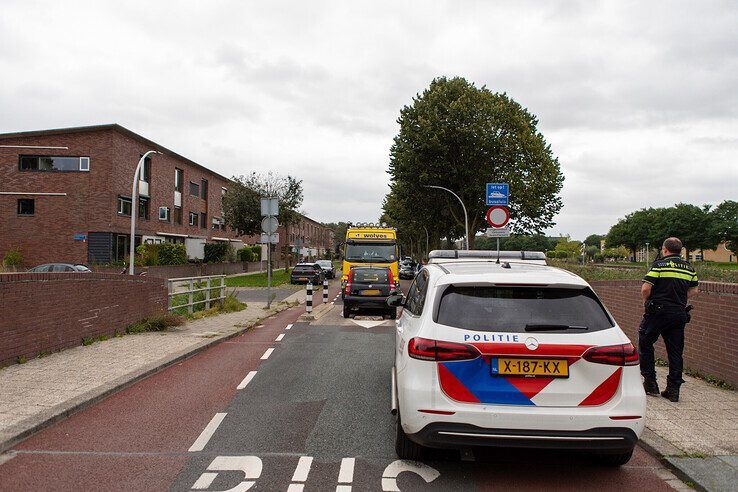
486	254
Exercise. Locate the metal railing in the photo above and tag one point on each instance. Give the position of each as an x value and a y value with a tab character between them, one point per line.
189	286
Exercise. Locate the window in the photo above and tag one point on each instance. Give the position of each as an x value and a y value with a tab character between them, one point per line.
164	214
51	163
124	207
178	179
216	223
194	189
511	309
143	208
417	293
223	191
204	189
26	206
178	215
193	219
146	170
203	220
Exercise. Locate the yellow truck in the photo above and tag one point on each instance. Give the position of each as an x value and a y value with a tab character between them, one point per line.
370	245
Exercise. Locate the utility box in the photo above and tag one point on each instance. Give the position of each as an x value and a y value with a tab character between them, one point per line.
195	247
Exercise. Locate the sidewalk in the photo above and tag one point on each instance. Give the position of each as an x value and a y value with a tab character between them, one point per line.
42	391
698	435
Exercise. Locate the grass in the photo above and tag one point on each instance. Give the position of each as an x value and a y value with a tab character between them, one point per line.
706	271
228	305
156	323
279	277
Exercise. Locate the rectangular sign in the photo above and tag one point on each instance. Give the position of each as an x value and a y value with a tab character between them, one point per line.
269	206
497	194
498	232
269	238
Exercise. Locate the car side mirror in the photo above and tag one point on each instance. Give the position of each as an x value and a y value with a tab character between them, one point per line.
396	301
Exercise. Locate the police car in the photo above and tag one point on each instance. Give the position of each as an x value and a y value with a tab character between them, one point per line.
512	353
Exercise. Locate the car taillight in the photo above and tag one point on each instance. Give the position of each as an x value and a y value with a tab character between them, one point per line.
391	279
614	355
424	349
349	279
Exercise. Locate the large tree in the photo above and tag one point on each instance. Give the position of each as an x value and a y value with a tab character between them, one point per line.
724	224
634	230
461	137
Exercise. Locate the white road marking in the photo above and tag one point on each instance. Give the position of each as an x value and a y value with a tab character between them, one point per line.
389	476
279	337
367	323
250	466
333	303
204	481
207	433
296	487
288	326
303	468
246	381
346	472
343	488
267	354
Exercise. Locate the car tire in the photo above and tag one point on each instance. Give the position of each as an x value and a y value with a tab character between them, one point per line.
404	447
346	311
618	459
392	313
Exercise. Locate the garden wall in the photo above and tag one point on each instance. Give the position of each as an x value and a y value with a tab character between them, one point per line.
711	338
46	312
194	269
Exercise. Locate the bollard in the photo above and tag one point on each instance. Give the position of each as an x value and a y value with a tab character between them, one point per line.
309	299
325	291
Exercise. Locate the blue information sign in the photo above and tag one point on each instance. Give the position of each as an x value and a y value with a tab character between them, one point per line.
497	194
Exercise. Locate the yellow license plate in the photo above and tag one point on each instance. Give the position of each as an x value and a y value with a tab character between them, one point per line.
303	278
371	292
557	368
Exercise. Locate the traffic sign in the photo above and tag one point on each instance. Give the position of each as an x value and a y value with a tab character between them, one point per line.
269	206
498	232
269	238
497	194
269	225
497	216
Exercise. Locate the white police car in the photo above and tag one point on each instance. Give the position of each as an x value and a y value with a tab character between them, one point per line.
512	354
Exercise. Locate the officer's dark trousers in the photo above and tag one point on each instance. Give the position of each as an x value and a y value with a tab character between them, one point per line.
671	328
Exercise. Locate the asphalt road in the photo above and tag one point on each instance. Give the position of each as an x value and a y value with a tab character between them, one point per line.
314	415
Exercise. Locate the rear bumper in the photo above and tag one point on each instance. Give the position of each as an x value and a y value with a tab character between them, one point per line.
456	435
366	301
315	281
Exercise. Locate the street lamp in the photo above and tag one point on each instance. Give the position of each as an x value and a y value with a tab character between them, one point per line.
134	208
647	243
466	218
427	240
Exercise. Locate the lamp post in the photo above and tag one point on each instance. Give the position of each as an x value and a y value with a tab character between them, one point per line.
134	208
427	240
466	217
647	243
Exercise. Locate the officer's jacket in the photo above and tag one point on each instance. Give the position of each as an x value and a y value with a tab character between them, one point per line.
671	278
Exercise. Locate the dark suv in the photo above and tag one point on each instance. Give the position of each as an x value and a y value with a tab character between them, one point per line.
369	287
307	272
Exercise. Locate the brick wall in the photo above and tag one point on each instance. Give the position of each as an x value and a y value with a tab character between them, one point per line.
194	269
45	312
711	345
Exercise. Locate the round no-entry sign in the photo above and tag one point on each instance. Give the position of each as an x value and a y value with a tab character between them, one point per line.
497	216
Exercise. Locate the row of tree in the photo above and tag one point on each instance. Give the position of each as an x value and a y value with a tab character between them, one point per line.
698	227
459	136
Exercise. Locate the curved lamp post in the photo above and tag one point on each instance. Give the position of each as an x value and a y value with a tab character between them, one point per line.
134	208
466	217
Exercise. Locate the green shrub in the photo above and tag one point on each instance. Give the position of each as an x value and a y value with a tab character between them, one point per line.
256	253
216	252
161	254
245	254
13	258
562	254
87	341
157	323
550	254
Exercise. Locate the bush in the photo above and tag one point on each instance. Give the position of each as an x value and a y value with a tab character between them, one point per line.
216	252
158	323
256	253
245	254
13	258
550	254
562	254
161	254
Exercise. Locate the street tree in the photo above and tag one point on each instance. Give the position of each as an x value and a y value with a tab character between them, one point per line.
594	240
459	136
634	230
724	225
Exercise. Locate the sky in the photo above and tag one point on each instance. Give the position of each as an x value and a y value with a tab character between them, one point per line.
638	100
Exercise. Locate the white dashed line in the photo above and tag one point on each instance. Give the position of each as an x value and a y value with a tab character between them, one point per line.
279	337
303	469
207	433
288	326
267	354
204	481
246	381
346	472
343	488
296	487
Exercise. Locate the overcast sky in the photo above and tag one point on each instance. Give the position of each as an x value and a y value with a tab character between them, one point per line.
639	100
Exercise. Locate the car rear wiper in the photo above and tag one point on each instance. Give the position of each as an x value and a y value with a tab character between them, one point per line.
554	327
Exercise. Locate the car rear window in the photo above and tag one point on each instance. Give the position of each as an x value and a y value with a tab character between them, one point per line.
304	269
370	275
510	309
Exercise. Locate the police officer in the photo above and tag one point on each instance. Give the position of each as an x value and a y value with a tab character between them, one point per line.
667	286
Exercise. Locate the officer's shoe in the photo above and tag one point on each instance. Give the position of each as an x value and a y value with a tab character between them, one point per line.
671	393
651	387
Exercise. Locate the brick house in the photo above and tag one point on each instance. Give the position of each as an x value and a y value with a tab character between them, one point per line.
308	238
65	196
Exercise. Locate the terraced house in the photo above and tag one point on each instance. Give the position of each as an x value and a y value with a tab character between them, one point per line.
65	196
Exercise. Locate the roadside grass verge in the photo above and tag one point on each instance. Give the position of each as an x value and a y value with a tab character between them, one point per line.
599	271
229	305
279	277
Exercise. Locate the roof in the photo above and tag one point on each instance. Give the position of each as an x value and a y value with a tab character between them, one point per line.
108	127
484	271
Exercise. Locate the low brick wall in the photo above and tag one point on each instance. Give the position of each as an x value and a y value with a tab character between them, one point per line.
711	345
45	312
194	269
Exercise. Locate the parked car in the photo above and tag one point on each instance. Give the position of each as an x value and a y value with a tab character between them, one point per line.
304	273
327	266
512	354
408	270
369	287
60	267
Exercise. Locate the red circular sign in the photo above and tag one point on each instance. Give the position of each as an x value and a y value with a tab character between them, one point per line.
497	216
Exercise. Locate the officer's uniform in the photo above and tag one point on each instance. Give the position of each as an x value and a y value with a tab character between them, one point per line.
666	315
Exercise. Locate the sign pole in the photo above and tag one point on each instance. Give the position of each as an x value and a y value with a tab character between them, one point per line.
498	250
